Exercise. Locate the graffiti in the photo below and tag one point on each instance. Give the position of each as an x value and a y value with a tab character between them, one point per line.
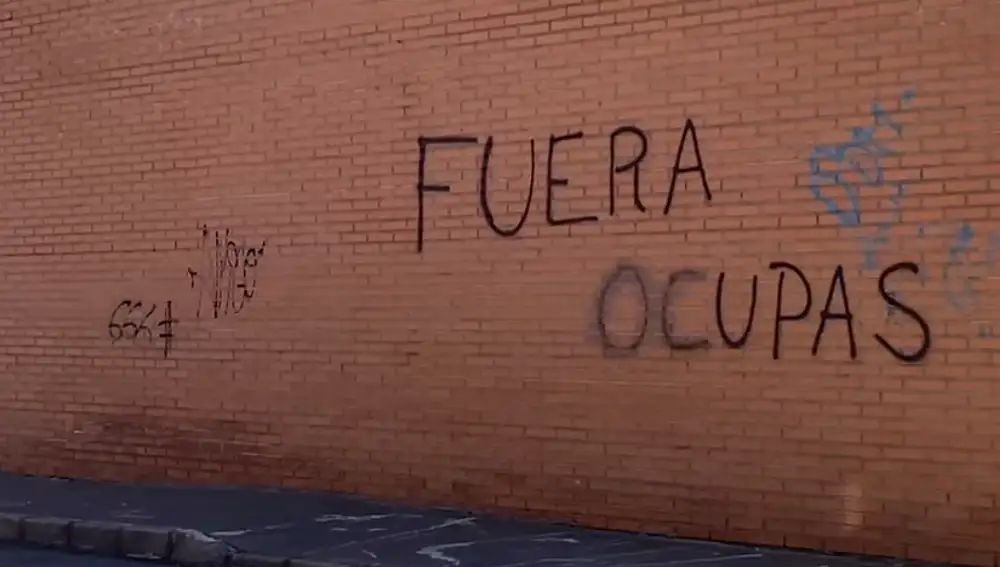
872	244
552	182
969	261
558	146
227	277
633	164
730	342
608	292
965	266
891	313
130	321
839	173
484	201
963	269
666	319
898	305
626	274
993	250
422	187
959	290
827	315
987	330
842	174
779	315
698	167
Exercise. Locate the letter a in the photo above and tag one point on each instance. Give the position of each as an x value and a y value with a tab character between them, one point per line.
699	167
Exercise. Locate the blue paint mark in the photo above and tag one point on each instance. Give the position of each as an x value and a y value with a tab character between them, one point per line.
994	248
988	331
897	199
959	287
965	297
881	116
870	247
833	166
872	244
963	241
840	171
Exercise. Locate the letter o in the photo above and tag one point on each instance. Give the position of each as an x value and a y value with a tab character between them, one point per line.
620	273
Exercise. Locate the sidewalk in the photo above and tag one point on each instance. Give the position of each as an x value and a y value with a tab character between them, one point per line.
356	531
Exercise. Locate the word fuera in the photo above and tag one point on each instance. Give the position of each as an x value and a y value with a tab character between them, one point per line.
616	166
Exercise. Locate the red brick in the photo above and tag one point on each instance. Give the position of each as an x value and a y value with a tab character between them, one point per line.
435	375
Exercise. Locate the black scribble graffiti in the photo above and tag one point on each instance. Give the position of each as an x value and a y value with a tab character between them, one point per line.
227	277
130	322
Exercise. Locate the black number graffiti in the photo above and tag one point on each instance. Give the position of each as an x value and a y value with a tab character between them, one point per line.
115	329
167	326
129	321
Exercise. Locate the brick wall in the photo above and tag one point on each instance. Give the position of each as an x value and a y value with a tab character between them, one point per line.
715	268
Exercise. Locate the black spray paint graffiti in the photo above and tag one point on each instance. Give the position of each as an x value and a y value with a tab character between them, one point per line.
629	274
667	321
228	274
134	322
688	139
622	274
844	177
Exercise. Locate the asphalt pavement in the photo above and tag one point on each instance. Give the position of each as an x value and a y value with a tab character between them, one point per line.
357	531
22	557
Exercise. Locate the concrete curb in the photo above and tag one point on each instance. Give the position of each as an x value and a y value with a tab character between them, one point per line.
179	546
